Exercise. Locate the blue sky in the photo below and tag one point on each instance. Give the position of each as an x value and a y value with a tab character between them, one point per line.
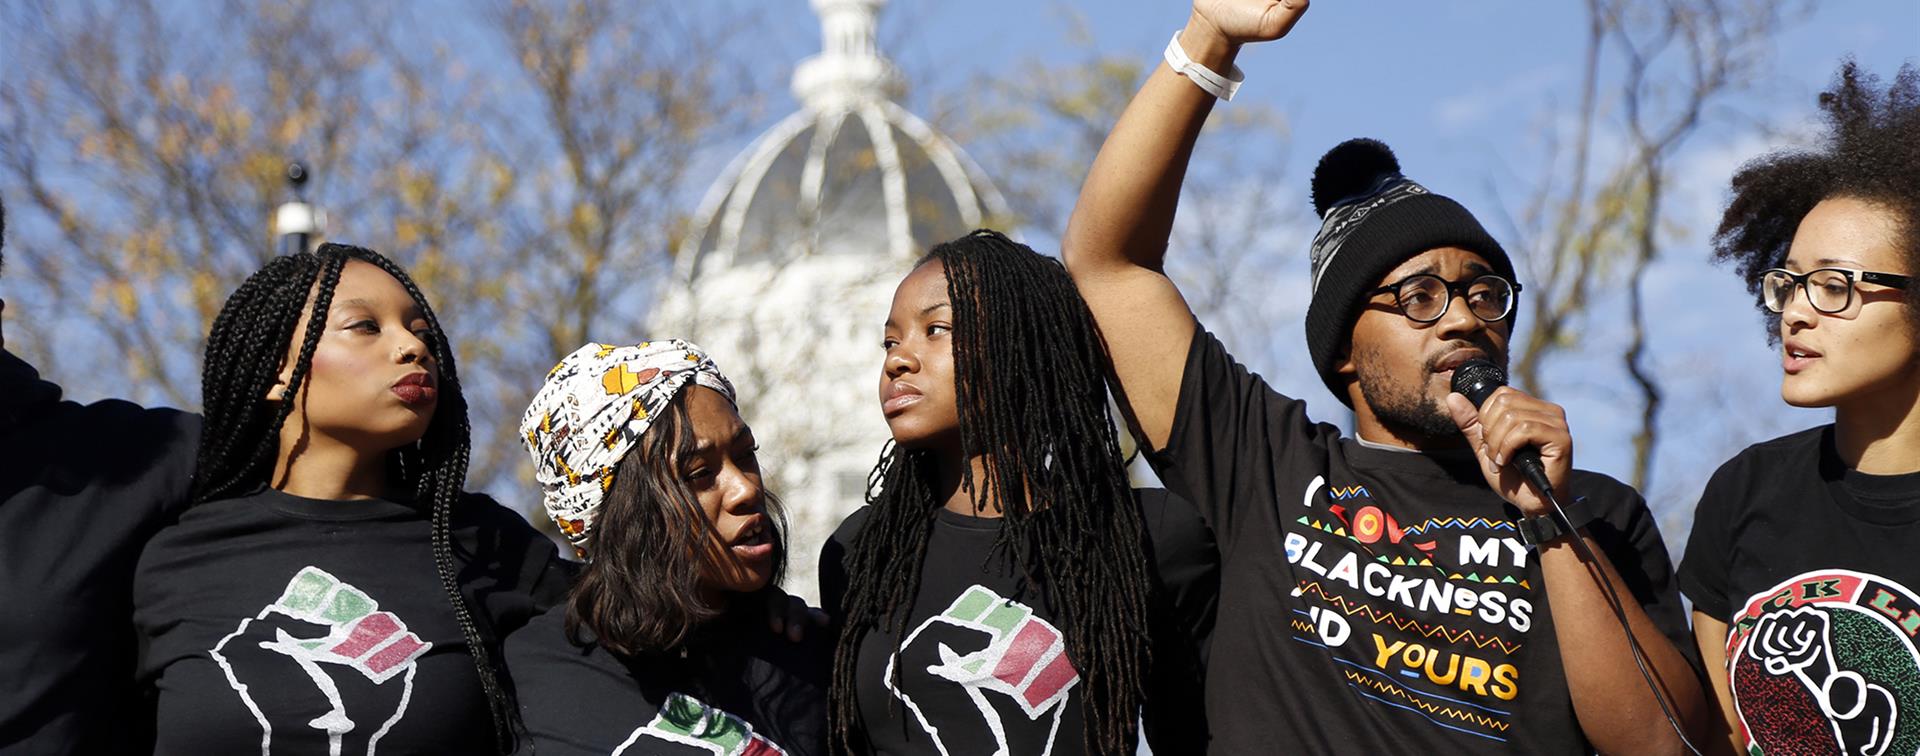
1460	89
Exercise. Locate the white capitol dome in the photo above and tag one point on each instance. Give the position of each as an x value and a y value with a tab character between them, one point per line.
793	259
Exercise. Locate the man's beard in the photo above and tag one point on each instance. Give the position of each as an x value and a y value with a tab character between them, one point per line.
1406	408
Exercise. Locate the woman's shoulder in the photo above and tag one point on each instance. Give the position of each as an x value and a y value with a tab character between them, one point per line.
1788	454
544	640
515	556
1801	443
851	525
481	511
547	666
1763	471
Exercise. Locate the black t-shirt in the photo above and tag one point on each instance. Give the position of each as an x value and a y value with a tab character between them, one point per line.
1811	565
984	666
277	624
81	488
1375	600
737	689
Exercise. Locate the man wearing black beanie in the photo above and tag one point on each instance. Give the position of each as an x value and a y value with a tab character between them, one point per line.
82	487
1394	592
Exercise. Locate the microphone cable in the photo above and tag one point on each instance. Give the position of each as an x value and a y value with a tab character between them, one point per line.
1619	613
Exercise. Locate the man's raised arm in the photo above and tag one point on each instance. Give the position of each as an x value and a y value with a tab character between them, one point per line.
1116	242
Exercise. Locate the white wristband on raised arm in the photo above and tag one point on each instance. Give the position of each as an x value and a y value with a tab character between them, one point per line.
1212	83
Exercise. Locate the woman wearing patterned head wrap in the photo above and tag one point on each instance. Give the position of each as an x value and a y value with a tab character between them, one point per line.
652	476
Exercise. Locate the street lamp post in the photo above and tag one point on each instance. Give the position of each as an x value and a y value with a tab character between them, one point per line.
297	223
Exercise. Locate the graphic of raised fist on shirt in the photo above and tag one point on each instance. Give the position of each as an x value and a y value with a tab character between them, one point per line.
1799	642
984	671
358	662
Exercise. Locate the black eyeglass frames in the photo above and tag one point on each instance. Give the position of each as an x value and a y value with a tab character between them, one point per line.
1424	297
1829	290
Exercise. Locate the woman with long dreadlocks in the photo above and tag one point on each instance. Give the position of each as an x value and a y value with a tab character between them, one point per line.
1005	590
331	589
651	474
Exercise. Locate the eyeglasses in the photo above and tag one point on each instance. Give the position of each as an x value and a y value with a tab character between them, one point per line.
1829	290
1424	297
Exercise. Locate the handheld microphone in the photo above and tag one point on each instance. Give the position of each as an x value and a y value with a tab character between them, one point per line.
1477	379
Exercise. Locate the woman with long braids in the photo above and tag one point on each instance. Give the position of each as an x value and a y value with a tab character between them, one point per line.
331	589
1806	595
1005	590
652	475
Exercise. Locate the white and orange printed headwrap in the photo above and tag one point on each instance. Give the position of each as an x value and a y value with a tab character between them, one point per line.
593	409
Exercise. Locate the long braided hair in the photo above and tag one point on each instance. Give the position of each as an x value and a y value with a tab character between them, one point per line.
245	352
1031	387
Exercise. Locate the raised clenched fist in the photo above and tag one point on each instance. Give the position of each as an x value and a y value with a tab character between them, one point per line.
1793	641
325	664
1243	21
988	676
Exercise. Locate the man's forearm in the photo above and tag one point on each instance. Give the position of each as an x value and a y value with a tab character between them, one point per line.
1615	709
1126	208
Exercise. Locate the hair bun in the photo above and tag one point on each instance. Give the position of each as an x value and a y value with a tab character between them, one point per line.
1351	168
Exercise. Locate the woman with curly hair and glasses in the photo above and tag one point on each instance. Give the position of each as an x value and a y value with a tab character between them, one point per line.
1806	595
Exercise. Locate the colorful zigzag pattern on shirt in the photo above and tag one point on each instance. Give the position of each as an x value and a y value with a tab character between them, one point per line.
1363	680
1389	618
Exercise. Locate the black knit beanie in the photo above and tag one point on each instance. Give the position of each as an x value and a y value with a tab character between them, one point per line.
1371	220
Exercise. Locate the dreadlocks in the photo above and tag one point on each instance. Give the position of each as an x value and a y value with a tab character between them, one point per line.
1052	466
246	349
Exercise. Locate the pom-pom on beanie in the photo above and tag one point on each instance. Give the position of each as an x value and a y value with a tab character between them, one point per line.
1372	219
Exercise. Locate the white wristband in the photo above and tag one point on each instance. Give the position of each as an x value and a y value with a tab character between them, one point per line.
1214	84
